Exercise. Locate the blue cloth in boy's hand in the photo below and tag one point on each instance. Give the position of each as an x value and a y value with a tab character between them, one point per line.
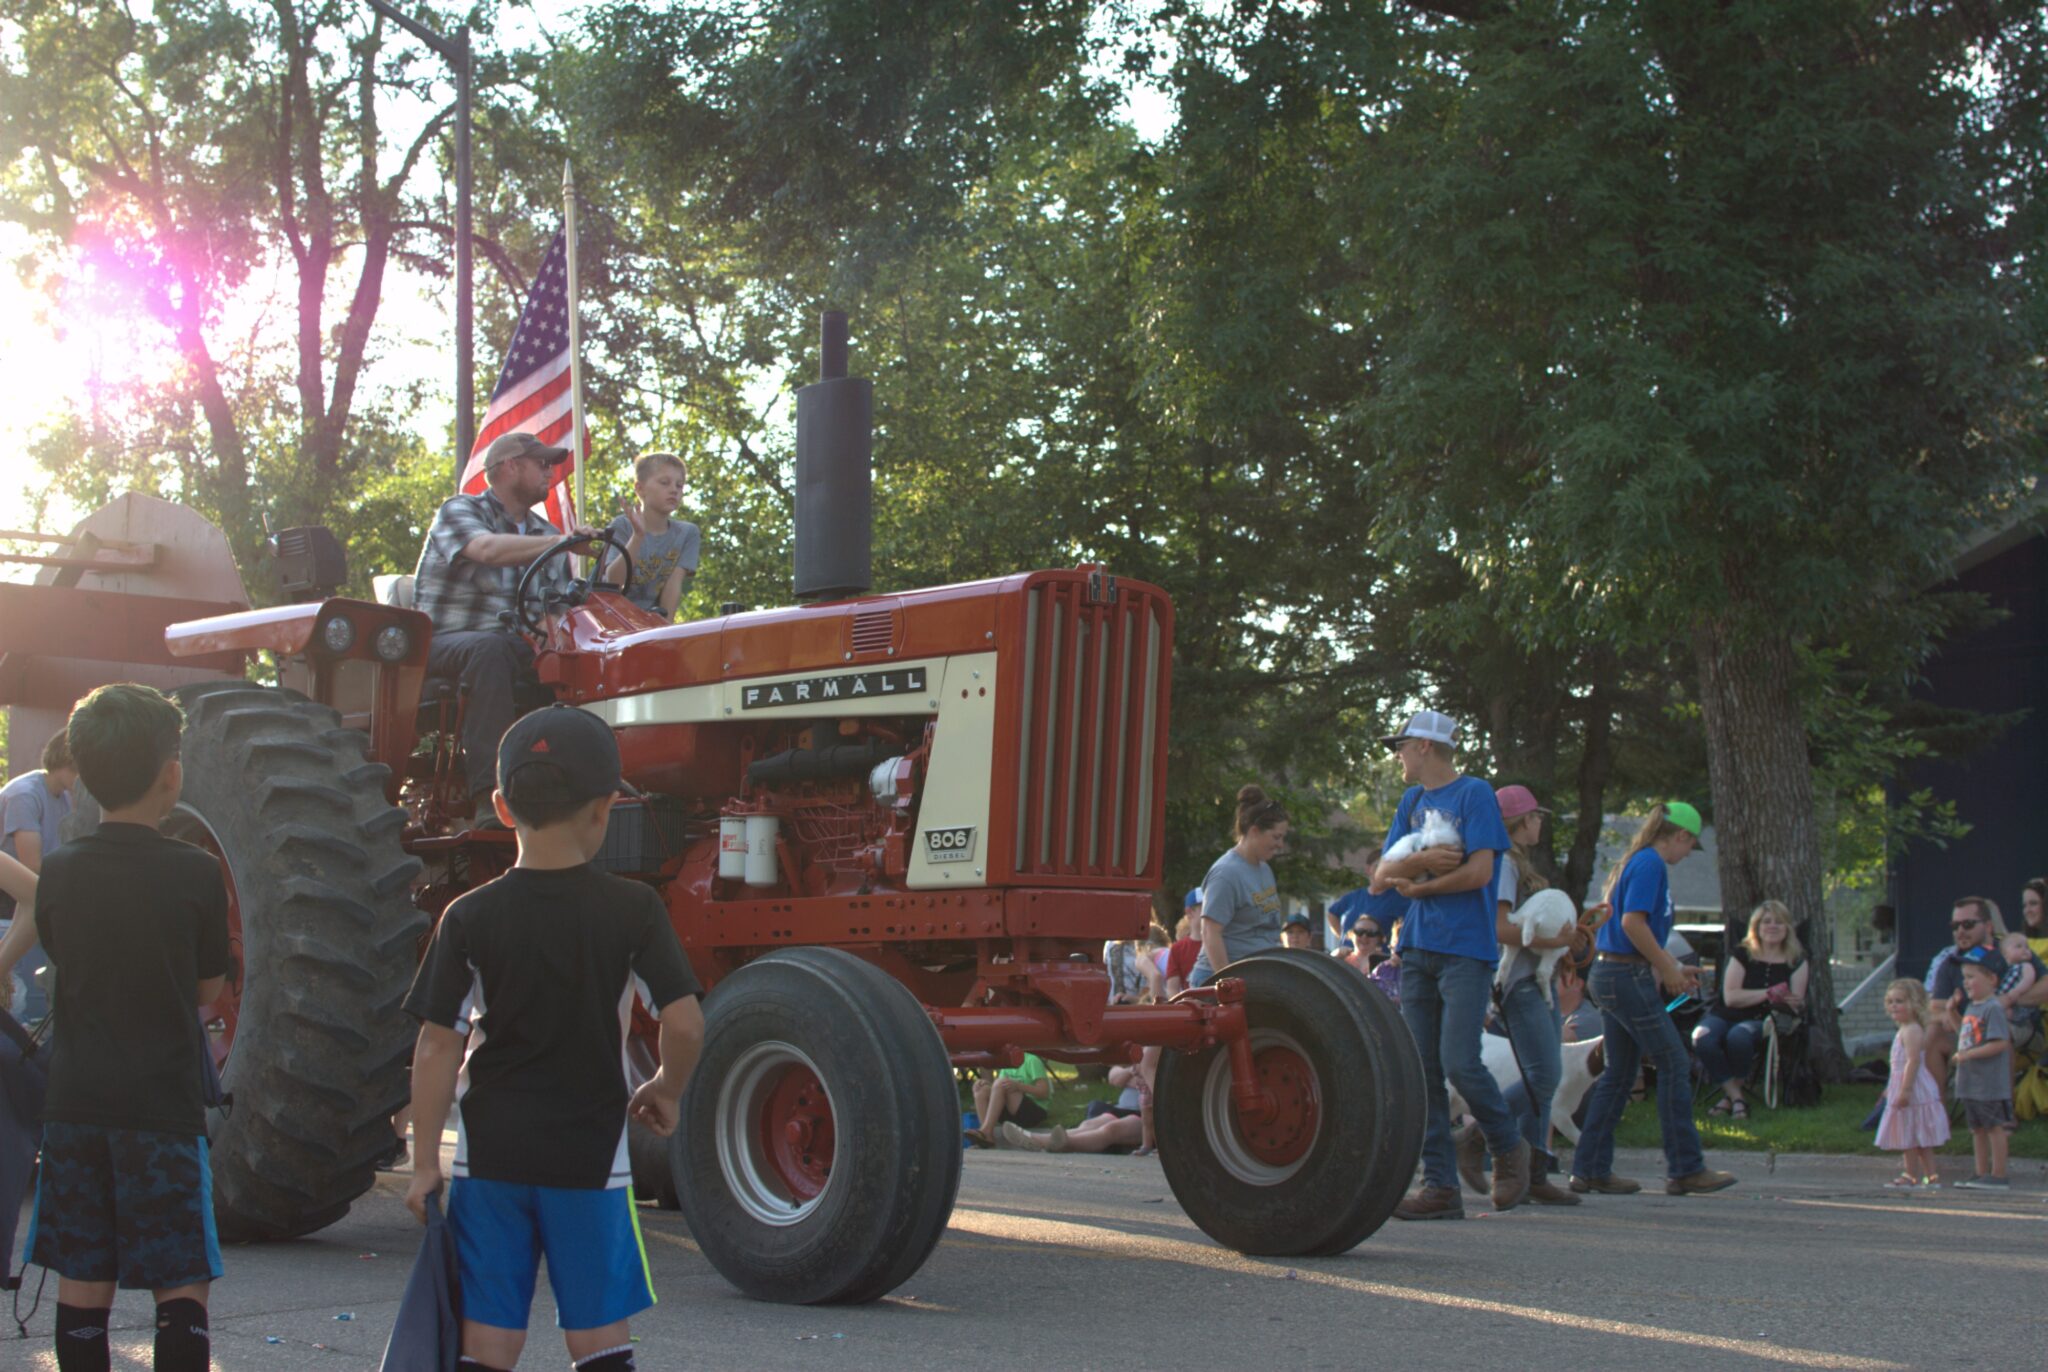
427	1335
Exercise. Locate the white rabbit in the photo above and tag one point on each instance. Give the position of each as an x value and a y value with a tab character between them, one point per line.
1437	830
1543	915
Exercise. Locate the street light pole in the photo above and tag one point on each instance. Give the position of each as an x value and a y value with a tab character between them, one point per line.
456	53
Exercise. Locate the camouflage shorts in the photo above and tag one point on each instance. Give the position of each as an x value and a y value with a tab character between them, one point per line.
124	1205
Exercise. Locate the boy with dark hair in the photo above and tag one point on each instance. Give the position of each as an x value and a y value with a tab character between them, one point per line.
137	926
539	969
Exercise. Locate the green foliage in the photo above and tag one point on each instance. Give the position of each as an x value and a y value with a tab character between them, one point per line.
1469	355
219	176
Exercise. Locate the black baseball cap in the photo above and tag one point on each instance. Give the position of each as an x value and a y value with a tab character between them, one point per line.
579	744
1299	918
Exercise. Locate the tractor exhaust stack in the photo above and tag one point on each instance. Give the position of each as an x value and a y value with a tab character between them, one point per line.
834	474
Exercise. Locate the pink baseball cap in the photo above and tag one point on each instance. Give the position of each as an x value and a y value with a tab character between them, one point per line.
1516	801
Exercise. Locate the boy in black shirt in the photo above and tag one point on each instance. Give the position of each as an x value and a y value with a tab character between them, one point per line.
136	924
540	969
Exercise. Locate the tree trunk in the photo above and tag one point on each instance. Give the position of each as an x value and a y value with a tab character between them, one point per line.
1596	763
1765	829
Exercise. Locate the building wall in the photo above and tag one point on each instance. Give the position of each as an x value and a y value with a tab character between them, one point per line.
2000	789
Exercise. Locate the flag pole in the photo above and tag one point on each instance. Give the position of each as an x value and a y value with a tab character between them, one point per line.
576	439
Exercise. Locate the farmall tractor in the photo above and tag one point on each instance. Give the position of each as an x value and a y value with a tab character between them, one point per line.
893	833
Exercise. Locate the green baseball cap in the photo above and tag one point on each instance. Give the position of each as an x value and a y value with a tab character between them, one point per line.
1683	815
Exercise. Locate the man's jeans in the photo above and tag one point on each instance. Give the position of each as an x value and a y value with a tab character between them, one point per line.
488	664
1726	1048
1538	1036
1633	1017
1444	999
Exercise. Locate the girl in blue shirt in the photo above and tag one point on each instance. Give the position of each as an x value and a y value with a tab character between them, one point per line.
1630	980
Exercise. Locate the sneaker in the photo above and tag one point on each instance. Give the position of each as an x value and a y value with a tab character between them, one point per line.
1609	1185
1511	1178
1431	1203
1548	1192
1993	1184
1969	1184
1057	1142
1471	1146
1699	1183
1010	1136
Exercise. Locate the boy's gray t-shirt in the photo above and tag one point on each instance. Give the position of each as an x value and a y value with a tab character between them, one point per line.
1986	1078
660	554
1245	899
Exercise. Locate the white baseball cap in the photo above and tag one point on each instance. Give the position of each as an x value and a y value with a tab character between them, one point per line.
1432	725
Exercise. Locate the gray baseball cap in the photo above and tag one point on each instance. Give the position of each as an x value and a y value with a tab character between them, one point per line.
1426	724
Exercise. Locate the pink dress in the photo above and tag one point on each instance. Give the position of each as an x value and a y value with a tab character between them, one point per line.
1924	1123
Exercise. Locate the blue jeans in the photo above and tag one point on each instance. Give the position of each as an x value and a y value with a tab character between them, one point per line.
1538	1036
1726	1048
1633	1017
1443	1000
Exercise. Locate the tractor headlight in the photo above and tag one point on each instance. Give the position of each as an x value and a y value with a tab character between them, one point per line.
393	643
338	634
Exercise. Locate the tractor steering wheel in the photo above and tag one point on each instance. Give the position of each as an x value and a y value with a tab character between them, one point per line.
523	608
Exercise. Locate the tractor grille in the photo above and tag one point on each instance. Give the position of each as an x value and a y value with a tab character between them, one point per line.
1089	737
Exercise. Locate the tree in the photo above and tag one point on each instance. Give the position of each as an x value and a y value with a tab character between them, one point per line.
1718	319
219	170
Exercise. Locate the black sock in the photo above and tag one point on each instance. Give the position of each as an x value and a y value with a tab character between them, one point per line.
182	1341
82	1338
618	1359
467	1361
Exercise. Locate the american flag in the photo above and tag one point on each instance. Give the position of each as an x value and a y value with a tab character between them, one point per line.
532	395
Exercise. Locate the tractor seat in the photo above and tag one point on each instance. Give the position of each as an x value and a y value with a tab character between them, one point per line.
393	590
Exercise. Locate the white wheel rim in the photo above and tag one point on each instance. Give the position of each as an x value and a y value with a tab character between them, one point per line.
1219	1117
750	1175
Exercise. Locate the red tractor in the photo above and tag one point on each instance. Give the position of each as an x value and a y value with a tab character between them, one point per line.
893	833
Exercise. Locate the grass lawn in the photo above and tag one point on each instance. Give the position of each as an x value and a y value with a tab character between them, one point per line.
1070	1096
1833	1126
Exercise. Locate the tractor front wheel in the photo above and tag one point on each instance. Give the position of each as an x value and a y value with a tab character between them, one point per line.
819	1151
1328	1160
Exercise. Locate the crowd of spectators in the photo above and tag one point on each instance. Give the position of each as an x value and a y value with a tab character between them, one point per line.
1443	931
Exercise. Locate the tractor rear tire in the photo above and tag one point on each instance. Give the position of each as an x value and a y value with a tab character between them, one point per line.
1332	1167
284	796
819	1152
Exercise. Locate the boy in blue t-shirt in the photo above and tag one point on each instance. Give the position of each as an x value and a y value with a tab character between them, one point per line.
1448	954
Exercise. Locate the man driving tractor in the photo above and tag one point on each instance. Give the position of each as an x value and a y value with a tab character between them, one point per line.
466	581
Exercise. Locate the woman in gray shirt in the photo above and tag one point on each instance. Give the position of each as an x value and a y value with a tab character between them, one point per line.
1240	899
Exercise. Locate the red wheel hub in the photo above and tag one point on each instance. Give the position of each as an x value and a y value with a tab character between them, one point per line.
796	1131
1289	1084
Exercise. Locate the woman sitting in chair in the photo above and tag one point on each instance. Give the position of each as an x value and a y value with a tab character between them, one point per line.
1767	971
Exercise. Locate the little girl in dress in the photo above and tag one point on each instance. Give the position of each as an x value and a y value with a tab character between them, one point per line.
1915	1122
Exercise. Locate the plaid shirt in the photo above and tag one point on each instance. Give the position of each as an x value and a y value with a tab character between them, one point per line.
459	594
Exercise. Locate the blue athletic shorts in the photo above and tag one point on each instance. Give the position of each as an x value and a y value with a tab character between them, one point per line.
124	1205
597	1264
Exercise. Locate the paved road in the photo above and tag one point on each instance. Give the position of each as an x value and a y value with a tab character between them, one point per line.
1087	1263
